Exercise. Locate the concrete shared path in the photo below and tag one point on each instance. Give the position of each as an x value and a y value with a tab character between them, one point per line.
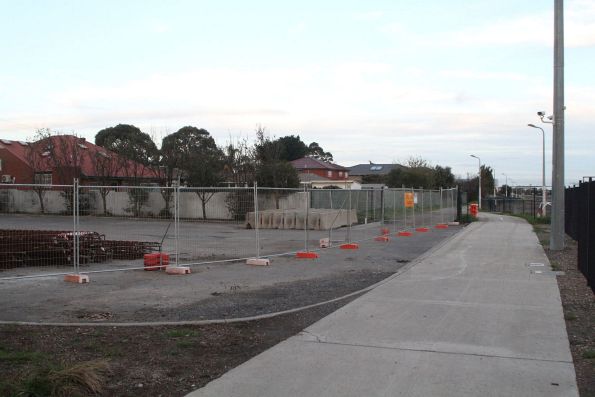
478	316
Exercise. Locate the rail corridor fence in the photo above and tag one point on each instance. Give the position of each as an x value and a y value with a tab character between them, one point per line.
527	204
579	224
50	230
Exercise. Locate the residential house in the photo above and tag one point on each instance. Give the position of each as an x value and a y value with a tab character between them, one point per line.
372	173
308	165
319	174
60	158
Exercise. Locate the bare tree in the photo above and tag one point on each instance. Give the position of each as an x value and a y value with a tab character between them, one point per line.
36	158
106	165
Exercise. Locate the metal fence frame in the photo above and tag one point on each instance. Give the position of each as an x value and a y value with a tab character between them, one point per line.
369	214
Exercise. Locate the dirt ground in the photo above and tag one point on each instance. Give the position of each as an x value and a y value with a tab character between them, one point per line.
146	361
578	302
174	360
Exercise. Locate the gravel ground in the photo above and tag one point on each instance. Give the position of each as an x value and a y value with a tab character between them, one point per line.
578	302
282	296
212	291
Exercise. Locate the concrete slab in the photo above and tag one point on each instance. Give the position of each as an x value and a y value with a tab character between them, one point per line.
298	368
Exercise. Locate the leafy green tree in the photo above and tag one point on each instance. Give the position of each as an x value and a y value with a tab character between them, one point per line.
317	152
443	177
195	153
129	142
279	174
292	148
487	180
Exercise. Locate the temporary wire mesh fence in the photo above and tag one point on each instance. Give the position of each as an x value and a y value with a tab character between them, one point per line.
51	229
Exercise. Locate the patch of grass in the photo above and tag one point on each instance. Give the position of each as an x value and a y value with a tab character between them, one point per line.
569	316
181	333
534	220
467	218
20	356
86	378
113	352
589	354
184	343
555	267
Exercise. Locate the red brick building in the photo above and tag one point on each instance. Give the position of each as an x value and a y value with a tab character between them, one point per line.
60	158
307	165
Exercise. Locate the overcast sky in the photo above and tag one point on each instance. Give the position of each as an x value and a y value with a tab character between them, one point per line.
368	80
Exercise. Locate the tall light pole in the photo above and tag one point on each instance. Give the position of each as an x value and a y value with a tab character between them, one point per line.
479	160
543	192
557	233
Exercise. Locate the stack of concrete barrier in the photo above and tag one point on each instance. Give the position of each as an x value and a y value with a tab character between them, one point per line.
318	219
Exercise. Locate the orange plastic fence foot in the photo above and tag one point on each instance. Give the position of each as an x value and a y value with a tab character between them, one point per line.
258	262
422	229
76	278
441	226
349	246
306	255
404	234
381	238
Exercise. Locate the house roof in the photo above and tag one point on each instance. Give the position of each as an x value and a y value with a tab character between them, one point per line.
118	166
308	163
17	148
372	169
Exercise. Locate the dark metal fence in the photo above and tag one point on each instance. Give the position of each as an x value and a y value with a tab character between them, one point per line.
580	225
526	204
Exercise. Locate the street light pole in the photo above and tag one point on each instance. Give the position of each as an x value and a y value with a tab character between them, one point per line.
479	175
543	192
557	233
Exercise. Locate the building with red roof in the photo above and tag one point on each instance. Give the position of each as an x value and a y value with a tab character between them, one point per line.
60	158
308	165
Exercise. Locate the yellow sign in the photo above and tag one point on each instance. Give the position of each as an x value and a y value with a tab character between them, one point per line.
409	200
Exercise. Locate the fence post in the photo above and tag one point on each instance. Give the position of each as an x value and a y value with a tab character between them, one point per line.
307	201
590	266
452	204
76	224
441	212
394	211
459	205
382	204
367	203
349	217
256	220
177	221
404	211
413	212
422	209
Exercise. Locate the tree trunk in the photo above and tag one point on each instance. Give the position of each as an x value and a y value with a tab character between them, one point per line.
40	195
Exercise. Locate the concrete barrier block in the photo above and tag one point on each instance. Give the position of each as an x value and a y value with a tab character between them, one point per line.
258	262
76	278
177	270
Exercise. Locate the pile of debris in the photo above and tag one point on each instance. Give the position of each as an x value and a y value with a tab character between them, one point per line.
19	248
